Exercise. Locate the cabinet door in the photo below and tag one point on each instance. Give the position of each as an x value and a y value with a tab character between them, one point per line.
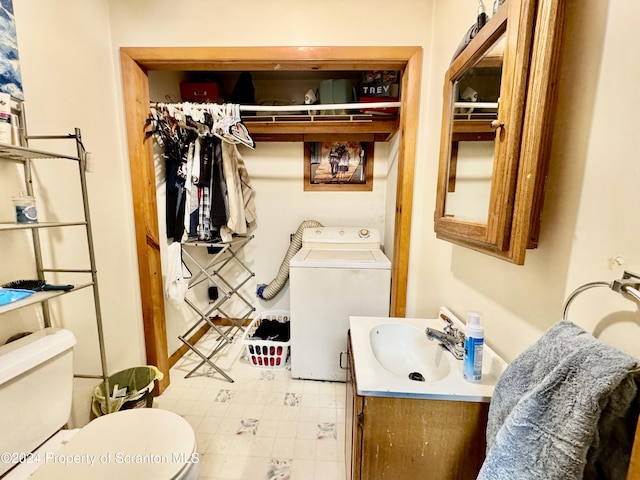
406	438
477	183
498	110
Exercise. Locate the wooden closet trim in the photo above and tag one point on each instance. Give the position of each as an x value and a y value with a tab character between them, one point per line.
135	64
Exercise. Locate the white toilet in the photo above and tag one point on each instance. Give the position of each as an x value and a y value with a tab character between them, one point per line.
36	382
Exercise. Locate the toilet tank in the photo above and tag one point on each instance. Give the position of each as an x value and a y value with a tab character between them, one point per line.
36	384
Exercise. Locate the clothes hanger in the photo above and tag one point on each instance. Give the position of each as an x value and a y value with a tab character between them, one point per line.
223	121
233	130
226	123
217	129
240	130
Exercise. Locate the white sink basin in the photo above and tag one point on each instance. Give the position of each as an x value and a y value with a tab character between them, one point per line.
391	354
405	351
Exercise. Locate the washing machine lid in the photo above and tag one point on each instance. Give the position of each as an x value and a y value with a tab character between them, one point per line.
130	444
340	258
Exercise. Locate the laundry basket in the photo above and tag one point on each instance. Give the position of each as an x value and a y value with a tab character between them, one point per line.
268	353
138	383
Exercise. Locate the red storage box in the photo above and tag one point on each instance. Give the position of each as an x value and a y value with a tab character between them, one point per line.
201	92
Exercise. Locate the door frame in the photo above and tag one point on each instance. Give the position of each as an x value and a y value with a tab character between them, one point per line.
135	64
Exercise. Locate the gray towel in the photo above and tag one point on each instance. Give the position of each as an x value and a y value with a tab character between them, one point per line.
566	408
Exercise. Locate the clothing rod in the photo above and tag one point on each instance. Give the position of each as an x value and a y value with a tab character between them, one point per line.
326	106
297	108
475	104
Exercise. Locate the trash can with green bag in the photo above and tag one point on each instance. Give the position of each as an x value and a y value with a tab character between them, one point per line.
130	388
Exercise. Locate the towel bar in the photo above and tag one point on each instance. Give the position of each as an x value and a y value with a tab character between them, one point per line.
629	283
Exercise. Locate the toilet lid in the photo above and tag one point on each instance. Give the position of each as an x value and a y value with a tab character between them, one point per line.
129	444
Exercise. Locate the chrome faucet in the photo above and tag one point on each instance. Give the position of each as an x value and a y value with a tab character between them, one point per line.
450	338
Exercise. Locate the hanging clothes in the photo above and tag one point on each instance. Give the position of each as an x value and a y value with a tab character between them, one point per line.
237	221
176	142
219	204
193	201
209	194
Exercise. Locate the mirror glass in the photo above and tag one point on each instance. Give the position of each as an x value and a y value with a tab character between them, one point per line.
476	98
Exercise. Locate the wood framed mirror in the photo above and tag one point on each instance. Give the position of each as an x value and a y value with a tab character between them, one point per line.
498	108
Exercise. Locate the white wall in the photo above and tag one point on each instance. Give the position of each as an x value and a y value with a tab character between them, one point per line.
70	71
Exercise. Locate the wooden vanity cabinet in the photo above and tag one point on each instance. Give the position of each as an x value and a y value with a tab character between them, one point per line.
406	438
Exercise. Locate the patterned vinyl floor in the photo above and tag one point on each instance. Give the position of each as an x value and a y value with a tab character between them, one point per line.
263	426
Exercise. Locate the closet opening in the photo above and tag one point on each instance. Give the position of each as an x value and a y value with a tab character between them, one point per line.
139	63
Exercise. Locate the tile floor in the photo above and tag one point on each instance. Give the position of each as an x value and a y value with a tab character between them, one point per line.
263	426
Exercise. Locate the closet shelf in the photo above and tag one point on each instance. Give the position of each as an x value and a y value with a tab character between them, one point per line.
274	128
40	297
371	121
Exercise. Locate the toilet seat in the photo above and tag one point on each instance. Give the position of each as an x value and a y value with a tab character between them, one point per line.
129	444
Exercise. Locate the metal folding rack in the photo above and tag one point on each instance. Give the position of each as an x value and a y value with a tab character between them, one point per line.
223	255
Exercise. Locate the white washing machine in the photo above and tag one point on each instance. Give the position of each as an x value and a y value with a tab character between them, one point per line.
338	272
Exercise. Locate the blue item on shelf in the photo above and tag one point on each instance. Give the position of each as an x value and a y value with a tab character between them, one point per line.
10	295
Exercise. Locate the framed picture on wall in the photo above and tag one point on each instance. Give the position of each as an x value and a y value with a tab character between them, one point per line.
338	165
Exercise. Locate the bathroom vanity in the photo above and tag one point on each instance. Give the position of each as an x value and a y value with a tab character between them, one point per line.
402	428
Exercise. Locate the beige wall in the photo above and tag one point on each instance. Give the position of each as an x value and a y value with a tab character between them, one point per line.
276	169
70	81
71	78
593	173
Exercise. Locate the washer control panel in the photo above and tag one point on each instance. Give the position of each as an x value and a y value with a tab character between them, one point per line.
341	237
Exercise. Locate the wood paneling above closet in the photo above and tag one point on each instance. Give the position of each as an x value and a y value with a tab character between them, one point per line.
271	58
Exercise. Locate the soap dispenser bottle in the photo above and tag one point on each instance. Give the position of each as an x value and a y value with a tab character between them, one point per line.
473	345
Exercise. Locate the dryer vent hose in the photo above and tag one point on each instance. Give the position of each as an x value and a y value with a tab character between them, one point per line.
267	292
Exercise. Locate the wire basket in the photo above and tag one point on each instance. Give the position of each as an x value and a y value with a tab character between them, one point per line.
267	353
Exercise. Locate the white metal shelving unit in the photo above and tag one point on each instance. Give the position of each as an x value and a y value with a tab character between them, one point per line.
89	279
